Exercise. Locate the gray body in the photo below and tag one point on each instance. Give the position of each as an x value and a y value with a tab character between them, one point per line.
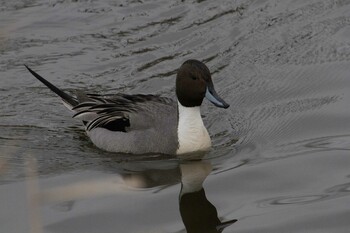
153	128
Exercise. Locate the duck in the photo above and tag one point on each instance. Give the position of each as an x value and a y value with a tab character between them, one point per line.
147	123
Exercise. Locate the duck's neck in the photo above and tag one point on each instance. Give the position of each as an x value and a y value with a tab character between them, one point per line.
192	134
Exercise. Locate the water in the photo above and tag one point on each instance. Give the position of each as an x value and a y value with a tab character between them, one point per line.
280	160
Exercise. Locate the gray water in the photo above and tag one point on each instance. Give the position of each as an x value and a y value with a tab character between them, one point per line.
280	158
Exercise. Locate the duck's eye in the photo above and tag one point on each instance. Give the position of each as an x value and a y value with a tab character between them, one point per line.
193	77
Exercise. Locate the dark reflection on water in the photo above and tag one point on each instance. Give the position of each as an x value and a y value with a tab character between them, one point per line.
197	212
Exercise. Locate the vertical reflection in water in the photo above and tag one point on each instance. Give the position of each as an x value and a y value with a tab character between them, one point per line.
197	213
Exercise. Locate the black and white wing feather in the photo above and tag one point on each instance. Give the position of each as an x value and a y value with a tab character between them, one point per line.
121	112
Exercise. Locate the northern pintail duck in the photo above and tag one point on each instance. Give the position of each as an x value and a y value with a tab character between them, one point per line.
140	124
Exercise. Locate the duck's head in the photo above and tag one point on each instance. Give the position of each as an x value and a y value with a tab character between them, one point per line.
193	83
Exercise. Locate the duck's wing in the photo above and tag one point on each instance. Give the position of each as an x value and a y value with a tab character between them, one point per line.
123	112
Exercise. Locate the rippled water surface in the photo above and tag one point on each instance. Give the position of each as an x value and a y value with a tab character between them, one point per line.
280	158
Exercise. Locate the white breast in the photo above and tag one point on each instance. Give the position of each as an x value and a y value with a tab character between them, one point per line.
192	134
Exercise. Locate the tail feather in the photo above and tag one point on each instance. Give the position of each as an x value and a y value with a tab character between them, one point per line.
70	100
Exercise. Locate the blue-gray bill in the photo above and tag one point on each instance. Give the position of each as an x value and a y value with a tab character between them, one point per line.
213	97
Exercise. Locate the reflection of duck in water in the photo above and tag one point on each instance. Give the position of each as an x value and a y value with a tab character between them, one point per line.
197	213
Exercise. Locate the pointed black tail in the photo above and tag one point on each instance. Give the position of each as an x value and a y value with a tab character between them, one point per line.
65	97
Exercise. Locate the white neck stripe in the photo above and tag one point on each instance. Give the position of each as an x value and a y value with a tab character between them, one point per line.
192	134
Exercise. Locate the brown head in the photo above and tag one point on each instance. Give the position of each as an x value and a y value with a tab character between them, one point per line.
193	83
